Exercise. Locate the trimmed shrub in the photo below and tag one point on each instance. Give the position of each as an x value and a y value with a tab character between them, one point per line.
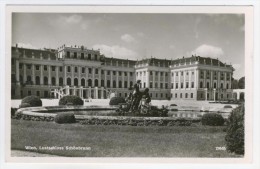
13	110
33	101
116	100
23	105
71	100
212	119
235	131
227	106
65	117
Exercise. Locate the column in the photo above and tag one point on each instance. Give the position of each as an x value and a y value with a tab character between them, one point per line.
179	74
99	77
153	79
72	75
57	75
93	76
89	92
184	79
96	93
148	79
225	80
206	94
123	79
86	70
111	81
218	83
49	75
159	80
190	79
105	78
33	74
41	76
164	81
102	92
79	76
24	73
205	79
117	79
17	72
173	81
211	79
67	90
74	90
128	79
196	81
65	75
214	93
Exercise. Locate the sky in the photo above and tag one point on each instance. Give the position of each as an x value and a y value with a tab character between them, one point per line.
137	36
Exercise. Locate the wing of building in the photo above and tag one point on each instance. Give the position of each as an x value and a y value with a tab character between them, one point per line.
77	70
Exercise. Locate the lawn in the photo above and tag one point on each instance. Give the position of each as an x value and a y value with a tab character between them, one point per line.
119	141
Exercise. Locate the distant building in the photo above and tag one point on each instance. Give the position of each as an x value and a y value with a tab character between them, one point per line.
76	70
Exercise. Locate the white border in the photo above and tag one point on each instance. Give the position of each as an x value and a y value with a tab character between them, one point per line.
199	165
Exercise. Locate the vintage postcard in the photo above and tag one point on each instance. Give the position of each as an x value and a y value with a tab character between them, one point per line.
129	84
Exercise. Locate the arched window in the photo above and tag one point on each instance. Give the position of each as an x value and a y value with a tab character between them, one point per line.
125	84
68	81
82	82
45	80
96	82
227	86
208	85
89	82
114	84
120	84
29	79
37	80
102	83
108	83
201	84
60	81
53	81
76	82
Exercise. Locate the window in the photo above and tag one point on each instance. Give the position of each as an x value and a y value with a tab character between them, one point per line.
29	93
120	84
96	82
176	96
187	84
68	54
82	82
60	81
102	72
96	58
151	84
156	85
161	73
75	55
108	72
76	82
215	85
201	84
166	85
221	85
151	73
89	56
76	69
82	56
176	85
82	70
172	85
161	85
156	73
120	73
208	85
53	68
186	95
201	74
181	95
125	84
114	84
53	81
60	69
161	95
125	73
187	73
227	86
29	66
144	85
108	83
176	73
89	70
68	68
114	73
96	71
192	84
37	80
192	73
131	73
20	66
38	93
181	73
166	74
181	85
191	95
37	67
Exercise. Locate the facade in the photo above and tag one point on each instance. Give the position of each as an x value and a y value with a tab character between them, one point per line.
89	74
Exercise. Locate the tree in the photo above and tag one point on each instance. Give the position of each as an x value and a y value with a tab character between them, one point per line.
241	83
234	83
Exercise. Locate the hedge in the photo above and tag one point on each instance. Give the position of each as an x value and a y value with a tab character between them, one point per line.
31	101
71	100
235	130
65	117
212	119
116	100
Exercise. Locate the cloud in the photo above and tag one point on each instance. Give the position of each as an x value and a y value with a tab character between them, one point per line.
72	19
172	46
140	34
116	51
128	38
236	66
208	51
26	45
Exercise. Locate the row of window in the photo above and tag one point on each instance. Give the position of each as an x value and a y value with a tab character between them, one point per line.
151	73
183	95
88	56
215	75
83	70
181	73
182	85
76	82
214	85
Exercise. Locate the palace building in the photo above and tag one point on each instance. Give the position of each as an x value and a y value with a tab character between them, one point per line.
77	70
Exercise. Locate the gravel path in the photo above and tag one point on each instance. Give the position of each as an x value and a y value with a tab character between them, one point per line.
19	153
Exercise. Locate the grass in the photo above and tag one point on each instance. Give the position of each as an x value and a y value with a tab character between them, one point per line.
120	141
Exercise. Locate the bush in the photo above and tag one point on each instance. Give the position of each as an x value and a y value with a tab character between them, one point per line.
66	117
23	105
33	101
227	106
116	100
235	131
212	119
13	110
71	100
